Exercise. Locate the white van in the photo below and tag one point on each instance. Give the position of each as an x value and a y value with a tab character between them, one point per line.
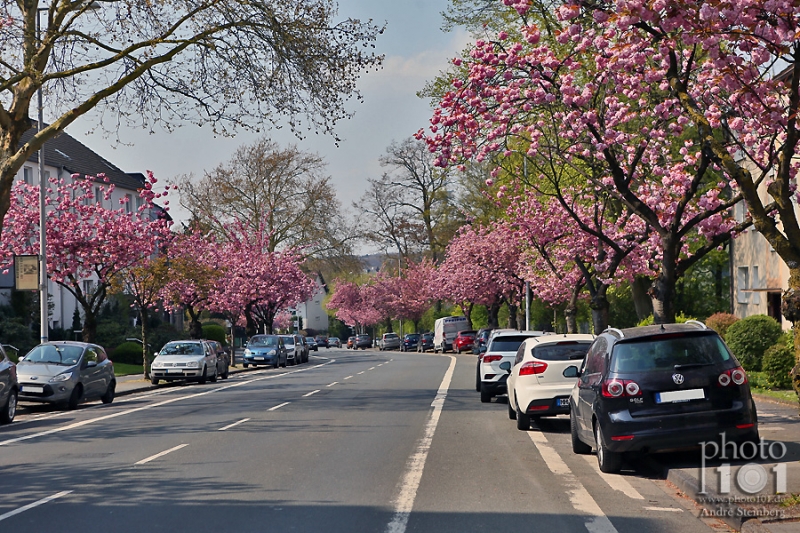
445	330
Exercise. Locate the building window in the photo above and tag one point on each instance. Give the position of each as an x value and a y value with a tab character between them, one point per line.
98	196
742	284
129	203
27	175
88	286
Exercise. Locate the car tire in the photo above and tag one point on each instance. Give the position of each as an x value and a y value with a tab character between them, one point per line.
9	409
204	377
226	373
523	420
245	365
108	397
486	396
578	446
512	413
478	378
154	381
609	462
215	377
75	397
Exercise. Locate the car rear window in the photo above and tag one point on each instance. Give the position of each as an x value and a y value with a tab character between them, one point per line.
507	343
563	351
666	352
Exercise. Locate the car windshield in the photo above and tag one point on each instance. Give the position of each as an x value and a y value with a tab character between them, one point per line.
263	341
563	351
666	352
288	340
182	348
55	355
508	343
412	337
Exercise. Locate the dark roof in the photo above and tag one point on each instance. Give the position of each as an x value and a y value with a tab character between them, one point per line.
658	329
66	152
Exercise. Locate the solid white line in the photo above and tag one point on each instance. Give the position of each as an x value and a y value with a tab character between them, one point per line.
311	393
416	463
157	404
278	406
348	377
579	497
162	454
614	481
229	426
34	504
332	384
667	509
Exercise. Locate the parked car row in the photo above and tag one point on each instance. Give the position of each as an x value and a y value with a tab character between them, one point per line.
276	350
645	389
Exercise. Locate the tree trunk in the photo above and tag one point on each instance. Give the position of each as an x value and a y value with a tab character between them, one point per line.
89	325
195	328
494	310
143	314
599	305
571	317
641	301
467	308
250	323
389	328
663	290
512	317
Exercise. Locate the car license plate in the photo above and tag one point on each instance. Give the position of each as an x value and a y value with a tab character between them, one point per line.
680	396
32	388
258	358
563	402
174	371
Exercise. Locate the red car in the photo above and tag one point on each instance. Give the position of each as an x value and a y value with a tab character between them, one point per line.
463	341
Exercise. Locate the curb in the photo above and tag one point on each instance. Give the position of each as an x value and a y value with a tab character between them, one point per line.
733	515
147	386
781	401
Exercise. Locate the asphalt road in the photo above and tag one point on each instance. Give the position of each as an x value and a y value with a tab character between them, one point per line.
353	441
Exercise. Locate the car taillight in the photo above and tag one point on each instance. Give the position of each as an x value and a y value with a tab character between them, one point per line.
737	376
620	388
532	367
492	358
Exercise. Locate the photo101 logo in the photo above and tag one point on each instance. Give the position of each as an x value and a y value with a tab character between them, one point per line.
751	478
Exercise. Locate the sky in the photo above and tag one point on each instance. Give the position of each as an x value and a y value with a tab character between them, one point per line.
415	49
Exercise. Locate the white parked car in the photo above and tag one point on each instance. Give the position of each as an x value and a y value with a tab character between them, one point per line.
502	347
537	386
193	360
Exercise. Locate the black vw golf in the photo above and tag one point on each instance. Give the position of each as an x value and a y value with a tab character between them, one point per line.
657	388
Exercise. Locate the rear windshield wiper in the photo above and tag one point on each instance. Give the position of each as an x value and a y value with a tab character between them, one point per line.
692	365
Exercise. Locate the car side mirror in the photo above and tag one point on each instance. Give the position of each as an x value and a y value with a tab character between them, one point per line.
483	348
506	365
90	364
571	372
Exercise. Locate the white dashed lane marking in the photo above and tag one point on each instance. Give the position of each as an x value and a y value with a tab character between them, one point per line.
332	384
162	454
278	406
229	426
34	504
310	393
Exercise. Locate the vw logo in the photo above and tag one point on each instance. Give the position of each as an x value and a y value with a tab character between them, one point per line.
677	378
34	378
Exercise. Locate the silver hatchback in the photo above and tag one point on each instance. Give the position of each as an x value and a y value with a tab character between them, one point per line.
66	372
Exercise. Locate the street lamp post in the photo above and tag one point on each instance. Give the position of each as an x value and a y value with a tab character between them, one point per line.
43	311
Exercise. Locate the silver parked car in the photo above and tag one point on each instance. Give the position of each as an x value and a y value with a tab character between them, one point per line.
66	372
294	349
191	360
9	389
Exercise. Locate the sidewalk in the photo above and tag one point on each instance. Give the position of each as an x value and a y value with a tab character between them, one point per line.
759	489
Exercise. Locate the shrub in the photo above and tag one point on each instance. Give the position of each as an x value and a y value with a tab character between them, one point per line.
720	322
679	319
215	332
128	352
750	337
777	363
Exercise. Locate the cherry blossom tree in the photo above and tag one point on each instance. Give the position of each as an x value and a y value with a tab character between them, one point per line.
88	244
601	101
413	292
353	304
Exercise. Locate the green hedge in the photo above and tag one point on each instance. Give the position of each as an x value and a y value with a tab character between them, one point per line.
750	337
679	319
215	332
128	352
777	363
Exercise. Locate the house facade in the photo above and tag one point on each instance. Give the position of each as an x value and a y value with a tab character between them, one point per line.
311	312
758	274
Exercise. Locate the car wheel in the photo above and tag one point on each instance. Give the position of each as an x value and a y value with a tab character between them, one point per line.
478	378
245	365
486	396
578	446
9	409
108	397
512	413
75	397
609	462
457	350
214	378
226	373
204	377
154	381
